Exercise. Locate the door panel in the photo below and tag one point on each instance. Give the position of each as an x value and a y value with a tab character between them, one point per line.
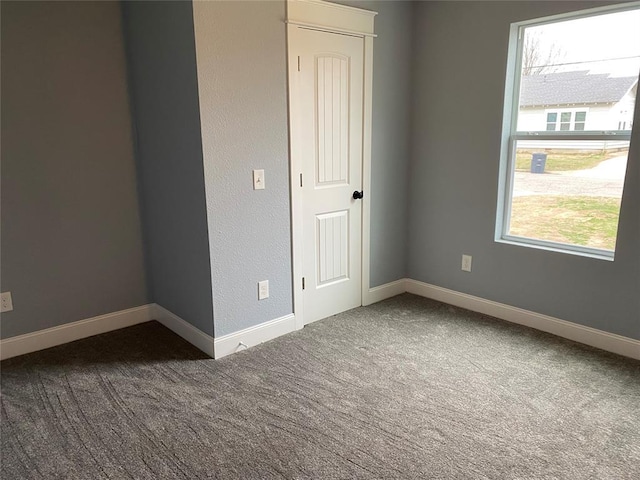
332	122
328	98
332	243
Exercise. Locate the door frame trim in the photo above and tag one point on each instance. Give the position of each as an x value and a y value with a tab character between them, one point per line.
332	18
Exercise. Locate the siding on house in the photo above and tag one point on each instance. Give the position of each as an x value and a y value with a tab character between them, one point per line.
599	117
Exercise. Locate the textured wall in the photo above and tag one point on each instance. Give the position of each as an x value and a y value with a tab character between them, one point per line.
460	54
241	52
390	145
71	240
164	89
241	56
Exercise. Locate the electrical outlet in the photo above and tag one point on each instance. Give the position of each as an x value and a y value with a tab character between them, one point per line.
263	289
466	263
258	179
7	303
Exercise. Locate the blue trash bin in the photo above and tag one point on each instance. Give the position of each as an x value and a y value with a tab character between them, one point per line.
538	161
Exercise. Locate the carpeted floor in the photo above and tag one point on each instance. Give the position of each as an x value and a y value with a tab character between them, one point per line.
407	388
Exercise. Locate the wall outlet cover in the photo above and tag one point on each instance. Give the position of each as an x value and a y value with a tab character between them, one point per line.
7	303
466	263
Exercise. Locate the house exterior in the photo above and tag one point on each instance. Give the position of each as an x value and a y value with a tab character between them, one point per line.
574	101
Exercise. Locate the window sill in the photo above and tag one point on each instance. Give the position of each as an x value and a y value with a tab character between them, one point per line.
558	248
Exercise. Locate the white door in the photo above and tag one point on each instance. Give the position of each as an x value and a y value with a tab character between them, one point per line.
327	98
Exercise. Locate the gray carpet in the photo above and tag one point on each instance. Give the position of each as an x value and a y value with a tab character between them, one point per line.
407	388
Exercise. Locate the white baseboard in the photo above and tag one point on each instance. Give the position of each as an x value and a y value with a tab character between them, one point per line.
181	327
69	332
227	344
388	290
252	336
610	342
51	337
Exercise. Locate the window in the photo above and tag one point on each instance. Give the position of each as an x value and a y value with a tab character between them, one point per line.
565	121
570	95
579	120
569	120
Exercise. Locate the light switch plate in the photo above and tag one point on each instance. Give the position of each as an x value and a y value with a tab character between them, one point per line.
258	179
263	289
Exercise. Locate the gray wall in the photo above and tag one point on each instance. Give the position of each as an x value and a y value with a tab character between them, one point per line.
460	54
391	133
164	90
241	51
71	241
242	78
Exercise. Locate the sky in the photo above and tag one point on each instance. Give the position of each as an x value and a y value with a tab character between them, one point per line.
601	37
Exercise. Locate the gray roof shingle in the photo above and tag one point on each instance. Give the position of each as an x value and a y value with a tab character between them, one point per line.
576	87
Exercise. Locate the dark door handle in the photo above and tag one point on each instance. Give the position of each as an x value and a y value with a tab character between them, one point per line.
357	195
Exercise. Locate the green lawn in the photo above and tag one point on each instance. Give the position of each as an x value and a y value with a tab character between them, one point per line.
562	161
586	221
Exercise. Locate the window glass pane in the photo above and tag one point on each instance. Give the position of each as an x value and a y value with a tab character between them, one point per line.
573	75
568	191
591	61
552	117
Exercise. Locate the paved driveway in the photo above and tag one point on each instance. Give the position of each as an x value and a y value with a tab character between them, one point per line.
604	180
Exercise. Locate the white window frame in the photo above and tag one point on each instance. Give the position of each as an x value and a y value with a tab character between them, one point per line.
572	120
510	134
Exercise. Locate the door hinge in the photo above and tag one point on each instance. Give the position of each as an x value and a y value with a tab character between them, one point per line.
300	179
298	62
303	283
